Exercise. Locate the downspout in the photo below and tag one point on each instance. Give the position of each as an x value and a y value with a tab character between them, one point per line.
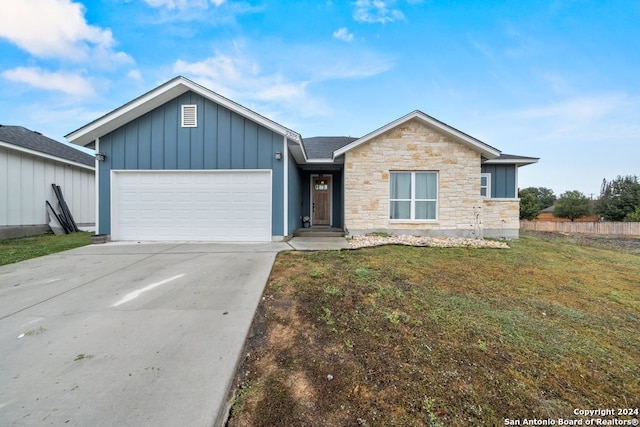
97	184
285	157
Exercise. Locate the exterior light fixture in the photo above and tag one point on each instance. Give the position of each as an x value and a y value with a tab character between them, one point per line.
100	157
278	155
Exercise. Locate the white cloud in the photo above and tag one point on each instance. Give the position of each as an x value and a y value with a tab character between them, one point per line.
57	29
376	11
71	84
358	65
183	4
239	72
135	75
581	108
580	139
330	61
264	79
210	12
600	124
343	34
52	115
241	77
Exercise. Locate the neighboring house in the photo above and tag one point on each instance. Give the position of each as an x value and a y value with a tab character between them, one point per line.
29	164
547	215
184	163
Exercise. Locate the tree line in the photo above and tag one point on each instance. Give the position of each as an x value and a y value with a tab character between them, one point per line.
619	200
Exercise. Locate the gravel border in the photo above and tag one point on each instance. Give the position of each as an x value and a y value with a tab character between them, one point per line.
366	241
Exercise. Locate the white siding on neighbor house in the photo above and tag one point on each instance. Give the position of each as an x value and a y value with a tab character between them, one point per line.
25	186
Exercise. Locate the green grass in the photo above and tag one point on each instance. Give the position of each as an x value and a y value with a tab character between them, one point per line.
83	356
24	248
430	336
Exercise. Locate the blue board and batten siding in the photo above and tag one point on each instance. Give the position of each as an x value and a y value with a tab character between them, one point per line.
503	180
338	198
222	140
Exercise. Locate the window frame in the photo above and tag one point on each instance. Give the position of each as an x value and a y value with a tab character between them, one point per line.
413	199
487	187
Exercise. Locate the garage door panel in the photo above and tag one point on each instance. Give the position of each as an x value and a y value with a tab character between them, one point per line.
189	205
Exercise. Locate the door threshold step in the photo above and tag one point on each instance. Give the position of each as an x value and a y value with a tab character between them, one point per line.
319	232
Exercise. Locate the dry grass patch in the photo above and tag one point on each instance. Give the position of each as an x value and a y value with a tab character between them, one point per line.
429	336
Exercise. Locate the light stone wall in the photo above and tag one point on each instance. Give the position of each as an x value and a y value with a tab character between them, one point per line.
501	218
413	146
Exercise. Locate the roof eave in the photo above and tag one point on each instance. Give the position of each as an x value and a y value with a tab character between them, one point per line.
520	161
329	160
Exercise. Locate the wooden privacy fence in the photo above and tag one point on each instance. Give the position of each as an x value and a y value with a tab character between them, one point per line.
618	228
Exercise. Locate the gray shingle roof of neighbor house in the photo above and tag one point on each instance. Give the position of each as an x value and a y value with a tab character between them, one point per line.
322	147
35	141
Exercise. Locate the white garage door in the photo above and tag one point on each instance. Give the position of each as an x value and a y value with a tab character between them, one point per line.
191	205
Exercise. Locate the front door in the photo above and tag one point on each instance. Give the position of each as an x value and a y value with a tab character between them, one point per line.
321	200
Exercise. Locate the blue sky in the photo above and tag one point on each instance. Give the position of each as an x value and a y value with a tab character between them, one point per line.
557	79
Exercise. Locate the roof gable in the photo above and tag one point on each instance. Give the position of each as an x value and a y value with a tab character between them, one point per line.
159	96
25	140
486	150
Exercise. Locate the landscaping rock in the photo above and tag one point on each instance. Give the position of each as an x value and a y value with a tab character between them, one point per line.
365	241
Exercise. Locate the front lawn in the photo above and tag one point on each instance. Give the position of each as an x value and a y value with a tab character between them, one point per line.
402	336
24	248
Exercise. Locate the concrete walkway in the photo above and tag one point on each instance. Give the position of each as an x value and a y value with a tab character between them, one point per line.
318	243
130	334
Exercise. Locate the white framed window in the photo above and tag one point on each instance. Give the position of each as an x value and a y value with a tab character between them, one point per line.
485	185
189	116
413	196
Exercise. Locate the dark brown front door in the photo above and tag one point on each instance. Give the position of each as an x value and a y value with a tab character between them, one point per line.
321	202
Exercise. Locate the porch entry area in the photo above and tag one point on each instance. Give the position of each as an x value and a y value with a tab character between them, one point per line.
322	202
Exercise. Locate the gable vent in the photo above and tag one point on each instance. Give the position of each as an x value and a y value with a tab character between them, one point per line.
189	116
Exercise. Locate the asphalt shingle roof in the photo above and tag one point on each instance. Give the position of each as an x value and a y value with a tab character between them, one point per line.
25	138
322	147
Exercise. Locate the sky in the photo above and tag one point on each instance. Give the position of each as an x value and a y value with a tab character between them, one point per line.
554	79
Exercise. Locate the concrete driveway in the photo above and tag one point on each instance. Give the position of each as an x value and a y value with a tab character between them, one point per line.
127	334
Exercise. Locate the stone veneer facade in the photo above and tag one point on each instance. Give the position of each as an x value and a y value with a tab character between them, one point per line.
414	146
501	218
